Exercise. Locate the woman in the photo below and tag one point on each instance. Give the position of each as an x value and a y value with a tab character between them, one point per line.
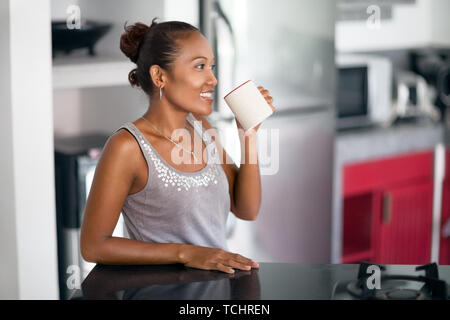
174	212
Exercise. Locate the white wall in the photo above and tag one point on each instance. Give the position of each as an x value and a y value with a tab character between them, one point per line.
182	10
59	8
440	22
28	249
93	110
422	24
117	12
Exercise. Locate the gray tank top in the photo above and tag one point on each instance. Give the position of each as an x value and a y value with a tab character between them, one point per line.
177	206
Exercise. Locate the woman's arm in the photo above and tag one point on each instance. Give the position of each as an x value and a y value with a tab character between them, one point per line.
247	187
244	181
113	180
114	177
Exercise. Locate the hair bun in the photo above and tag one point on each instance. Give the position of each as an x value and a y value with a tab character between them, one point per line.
132	38
152	45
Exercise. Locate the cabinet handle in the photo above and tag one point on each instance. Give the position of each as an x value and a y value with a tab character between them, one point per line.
387	208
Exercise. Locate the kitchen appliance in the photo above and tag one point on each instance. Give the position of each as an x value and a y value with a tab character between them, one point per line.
364	95
289	50
413	98
75	162
395	286
434	65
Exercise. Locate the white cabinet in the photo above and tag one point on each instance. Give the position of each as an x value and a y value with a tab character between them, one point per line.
422	23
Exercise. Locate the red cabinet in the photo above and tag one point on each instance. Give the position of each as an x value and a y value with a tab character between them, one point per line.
405	227
387	212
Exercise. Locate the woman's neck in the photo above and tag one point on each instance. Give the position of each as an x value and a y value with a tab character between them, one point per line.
166	119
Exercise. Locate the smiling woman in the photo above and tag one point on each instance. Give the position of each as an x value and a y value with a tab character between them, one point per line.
174	213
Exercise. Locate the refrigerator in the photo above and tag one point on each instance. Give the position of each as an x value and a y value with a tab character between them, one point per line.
287	47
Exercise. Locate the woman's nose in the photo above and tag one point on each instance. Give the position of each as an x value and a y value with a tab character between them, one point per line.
212	79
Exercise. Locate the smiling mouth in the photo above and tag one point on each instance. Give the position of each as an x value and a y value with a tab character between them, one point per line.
207	95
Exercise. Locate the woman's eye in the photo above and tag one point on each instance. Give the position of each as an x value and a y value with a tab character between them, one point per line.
202	66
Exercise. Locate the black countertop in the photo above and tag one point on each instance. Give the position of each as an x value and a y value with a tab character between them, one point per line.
272	281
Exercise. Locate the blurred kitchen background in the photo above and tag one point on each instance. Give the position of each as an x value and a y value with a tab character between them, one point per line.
357	168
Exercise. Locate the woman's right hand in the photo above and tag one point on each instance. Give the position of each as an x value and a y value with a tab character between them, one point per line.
214	259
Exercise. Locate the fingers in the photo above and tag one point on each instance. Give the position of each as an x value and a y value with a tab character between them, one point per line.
245	260
263	91
266	96
237	265
217	259
236	261
219	266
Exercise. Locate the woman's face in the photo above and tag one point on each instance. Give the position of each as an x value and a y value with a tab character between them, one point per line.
191	81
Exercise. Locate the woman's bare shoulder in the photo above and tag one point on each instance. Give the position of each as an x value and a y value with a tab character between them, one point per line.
119	152
122	142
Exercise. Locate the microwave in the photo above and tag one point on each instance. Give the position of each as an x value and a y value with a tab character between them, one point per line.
364	91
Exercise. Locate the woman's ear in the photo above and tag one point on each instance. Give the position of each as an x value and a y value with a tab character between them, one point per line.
157	76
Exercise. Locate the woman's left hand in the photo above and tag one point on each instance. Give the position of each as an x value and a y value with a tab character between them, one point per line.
266	94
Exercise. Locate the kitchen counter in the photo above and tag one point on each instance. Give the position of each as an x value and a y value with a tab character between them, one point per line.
372	143
376	142
272	281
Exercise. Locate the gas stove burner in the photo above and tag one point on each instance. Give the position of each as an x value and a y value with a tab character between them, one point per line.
402	294
392	287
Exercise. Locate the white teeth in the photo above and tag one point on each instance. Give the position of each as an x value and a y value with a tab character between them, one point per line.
206	94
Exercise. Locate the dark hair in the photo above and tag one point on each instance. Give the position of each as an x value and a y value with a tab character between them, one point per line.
151	45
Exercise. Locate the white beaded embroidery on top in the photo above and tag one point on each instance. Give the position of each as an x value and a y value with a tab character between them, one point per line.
172	178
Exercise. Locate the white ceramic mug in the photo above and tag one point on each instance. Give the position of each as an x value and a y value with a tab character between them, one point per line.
248	105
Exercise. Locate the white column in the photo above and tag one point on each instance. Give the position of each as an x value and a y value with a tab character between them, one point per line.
28	248
438	180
